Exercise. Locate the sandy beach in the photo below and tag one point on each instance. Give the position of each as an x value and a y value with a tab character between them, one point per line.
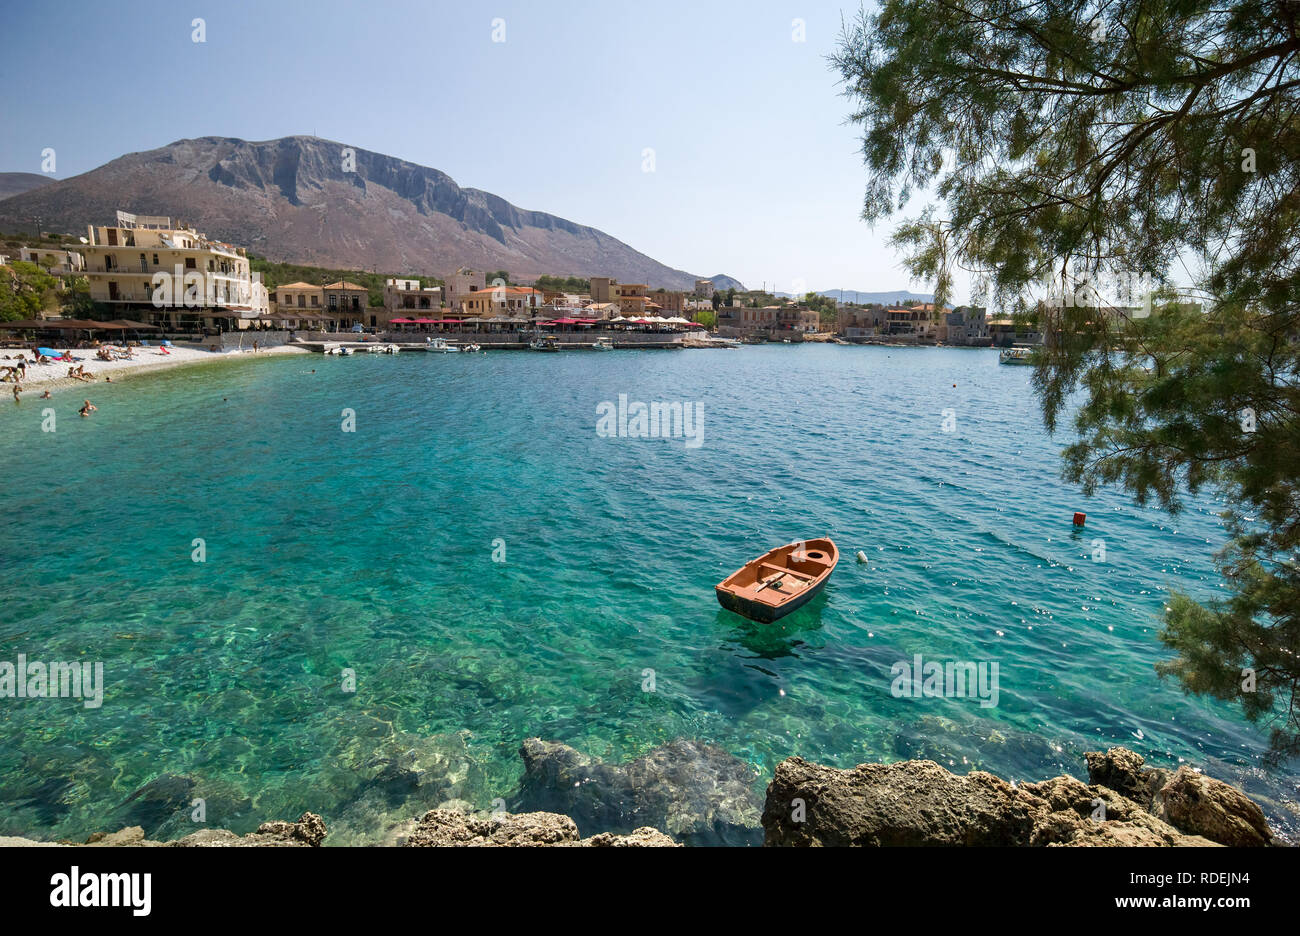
55	377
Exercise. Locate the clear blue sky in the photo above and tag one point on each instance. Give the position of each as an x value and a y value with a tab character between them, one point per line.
756	173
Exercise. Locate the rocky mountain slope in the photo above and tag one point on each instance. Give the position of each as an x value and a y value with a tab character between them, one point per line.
15	183
314	201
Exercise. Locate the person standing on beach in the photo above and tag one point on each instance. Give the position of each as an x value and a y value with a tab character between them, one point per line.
17	390
87	408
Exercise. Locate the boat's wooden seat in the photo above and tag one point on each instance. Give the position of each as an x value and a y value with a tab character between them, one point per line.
788	571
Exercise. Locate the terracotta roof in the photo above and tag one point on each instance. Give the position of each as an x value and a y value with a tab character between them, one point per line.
298	285
344	284
507	290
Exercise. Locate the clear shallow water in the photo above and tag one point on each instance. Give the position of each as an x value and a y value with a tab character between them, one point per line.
373	550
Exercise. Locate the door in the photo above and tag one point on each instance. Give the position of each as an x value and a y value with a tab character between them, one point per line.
112	292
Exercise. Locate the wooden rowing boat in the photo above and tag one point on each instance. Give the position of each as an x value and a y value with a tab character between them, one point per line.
779	581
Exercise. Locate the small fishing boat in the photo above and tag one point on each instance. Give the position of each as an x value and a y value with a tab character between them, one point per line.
779	581
545	343
472	348
603	344
439	345
1016	355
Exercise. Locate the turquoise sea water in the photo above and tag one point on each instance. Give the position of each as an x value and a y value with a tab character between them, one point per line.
374	550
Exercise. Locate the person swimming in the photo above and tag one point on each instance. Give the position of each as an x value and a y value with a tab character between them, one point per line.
87	408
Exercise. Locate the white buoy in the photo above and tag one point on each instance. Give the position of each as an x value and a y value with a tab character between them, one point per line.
862	557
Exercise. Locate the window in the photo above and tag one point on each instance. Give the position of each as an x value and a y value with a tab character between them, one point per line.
155	259
315	302
301	300
190	263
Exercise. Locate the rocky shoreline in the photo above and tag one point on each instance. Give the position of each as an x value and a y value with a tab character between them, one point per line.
687	792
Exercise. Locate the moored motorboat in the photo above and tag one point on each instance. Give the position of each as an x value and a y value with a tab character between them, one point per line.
1016	355
545	343
780	580
439	345
603	344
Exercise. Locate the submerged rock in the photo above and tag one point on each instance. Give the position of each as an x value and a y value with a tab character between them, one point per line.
921	803
695	792
445	827
405	776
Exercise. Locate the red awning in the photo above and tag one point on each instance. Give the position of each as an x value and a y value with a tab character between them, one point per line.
401	321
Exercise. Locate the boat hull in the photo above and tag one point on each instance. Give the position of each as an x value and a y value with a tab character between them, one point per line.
765	614
780	581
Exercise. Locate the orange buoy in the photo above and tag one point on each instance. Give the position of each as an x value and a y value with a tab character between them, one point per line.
1079	518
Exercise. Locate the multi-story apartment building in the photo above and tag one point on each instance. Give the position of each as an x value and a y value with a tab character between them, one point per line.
603	289
672	303
57	261
911	322
513	301
299	297
767	320
967	326
405	298
169	273
861	322
460	284
632	299
348	301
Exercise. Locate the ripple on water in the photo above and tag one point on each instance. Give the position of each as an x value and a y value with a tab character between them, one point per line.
372	551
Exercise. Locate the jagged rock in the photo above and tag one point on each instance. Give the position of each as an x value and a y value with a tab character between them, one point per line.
921	803
445	827
644	837
1068	812
1124	772
1204	806
1187	800
695	792
912	803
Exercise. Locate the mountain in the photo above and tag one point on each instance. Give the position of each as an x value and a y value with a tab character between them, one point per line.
723	281
15	183
296	199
